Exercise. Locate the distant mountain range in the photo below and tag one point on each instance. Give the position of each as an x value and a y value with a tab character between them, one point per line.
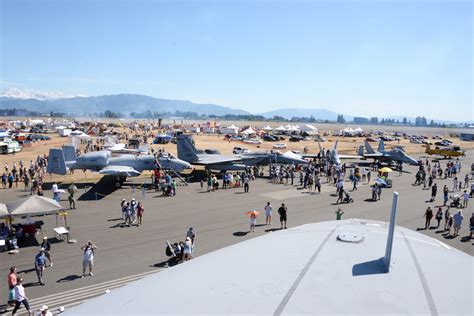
39	101
120	103
16	93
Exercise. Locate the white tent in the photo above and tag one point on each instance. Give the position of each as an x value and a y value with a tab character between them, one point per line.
359	130
310	129
267	128
249	131
32	205
280	128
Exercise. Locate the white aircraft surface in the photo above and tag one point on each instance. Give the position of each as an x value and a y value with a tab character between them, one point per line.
335	267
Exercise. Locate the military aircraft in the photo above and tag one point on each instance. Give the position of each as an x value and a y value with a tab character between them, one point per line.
63	159
119	149
188	152
388	156
454	151
333	267
331	155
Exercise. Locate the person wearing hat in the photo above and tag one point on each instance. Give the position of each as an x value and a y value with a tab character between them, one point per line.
46	246
44	311
188	249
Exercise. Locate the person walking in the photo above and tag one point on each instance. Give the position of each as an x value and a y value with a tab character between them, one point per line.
191	234
88	258
46	247
20	297
246	183
339	213
268	214
188	249
340	196
447	215
439	216
140	211
428	216
457	218
72	189
40	263
434	190
465	197
445	195
12	281
282	211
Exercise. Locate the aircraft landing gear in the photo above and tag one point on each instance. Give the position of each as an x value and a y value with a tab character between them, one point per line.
119	182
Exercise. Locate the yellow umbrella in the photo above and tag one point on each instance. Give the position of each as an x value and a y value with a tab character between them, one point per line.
385	169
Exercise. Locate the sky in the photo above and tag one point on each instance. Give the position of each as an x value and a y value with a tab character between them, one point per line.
363	58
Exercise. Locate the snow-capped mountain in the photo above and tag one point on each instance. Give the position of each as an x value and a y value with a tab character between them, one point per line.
16	93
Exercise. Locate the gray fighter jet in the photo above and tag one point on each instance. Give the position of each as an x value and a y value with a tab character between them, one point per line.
64	159
388	156
188	152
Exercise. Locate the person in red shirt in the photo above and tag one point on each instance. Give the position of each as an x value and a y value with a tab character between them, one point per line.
12	281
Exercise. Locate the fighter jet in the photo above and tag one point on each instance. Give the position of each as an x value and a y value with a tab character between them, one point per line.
189	153
389	156
331	155
64	159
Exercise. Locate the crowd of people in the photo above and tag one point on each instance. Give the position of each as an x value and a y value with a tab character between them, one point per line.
31	177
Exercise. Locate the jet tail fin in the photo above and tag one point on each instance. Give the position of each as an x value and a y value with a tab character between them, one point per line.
56	162
360	151
381	145
186	149
69	153
369	148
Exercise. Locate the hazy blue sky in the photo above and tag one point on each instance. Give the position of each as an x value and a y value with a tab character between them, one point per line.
355	57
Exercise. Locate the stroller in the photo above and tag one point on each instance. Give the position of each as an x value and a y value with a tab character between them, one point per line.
456	200
347	198
174	252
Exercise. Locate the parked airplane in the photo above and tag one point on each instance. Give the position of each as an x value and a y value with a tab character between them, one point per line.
189	153
454	151
64	159
118	149
388	156
334	267
331	155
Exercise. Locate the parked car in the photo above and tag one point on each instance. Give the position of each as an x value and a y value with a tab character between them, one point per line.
239	150
372	139
318	138
270	138
296	138
279	146
235	137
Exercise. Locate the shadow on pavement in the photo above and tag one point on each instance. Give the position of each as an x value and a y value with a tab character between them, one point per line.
68	278
240	234
368	268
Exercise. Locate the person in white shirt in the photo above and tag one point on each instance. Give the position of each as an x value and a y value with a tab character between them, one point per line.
20	297
88	259
268	214
465	199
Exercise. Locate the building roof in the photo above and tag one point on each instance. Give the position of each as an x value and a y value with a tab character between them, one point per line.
307	269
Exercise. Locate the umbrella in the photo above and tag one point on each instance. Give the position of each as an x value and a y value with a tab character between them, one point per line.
32	205
253	212
385	169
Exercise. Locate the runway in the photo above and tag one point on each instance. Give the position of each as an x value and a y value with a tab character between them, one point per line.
125	253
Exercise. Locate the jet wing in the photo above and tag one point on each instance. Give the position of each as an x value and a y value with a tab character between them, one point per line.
215	159
374	155
119	171
350	156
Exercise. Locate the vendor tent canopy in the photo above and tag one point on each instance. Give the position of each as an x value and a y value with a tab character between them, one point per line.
32	205
267	128
249	131
310	129
280	128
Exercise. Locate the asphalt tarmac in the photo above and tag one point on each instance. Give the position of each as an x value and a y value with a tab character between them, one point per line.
218	218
